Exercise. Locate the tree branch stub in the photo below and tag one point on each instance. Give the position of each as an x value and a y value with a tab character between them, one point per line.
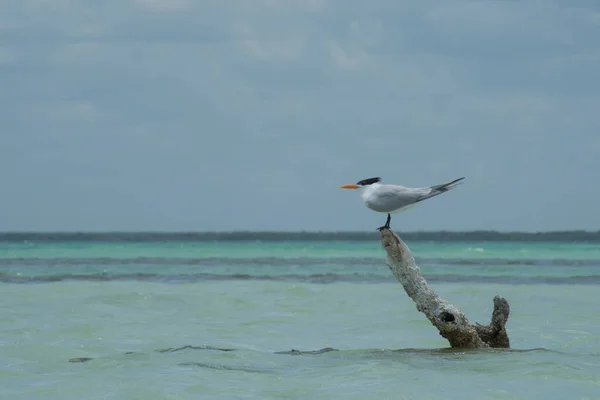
450	321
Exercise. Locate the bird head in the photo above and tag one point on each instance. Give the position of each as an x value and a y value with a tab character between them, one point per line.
361	184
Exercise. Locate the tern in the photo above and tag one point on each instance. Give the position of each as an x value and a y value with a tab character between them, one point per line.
393	199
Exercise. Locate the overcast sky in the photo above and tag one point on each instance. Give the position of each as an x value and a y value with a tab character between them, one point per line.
249	114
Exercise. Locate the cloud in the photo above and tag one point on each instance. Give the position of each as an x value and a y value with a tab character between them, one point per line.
68	112
350	59
6	57
163	5
273	51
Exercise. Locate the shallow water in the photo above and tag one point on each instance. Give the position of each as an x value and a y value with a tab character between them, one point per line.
108	329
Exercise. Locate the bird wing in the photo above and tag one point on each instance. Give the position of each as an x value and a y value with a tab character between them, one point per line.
388	198
393	198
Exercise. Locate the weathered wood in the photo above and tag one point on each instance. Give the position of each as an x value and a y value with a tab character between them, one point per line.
450	321
495	334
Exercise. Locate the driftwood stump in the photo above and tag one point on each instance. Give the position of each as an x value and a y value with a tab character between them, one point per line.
448	319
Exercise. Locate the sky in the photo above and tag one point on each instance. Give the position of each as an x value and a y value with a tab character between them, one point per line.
184	115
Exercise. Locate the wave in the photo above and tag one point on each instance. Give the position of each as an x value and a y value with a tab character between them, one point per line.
286	261
312	278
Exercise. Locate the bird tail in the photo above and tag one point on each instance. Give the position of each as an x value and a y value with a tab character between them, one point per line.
444	187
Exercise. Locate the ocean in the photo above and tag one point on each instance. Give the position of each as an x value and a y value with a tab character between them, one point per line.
290	319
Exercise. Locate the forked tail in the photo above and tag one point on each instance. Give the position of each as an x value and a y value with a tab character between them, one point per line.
447	186
444	187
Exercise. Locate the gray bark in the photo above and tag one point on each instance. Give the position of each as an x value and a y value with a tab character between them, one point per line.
450	321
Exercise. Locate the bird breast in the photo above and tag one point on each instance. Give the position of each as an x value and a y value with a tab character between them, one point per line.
374	201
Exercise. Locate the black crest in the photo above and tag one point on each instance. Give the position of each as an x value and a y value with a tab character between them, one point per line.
369	181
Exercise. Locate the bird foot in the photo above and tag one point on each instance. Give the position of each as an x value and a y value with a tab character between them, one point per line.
387	223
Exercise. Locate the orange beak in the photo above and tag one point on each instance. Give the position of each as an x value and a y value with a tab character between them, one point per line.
349	186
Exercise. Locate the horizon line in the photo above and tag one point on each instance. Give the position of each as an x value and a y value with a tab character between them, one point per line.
241	231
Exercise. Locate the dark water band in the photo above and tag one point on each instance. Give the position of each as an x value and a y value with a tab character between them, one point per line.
312	278
269	261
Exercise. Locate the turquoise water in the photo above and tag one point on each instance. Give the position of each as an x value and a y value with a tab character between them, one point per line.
217	320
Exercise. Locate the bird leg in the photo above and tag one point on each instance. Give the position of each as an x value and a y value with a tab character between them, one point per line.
387	223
